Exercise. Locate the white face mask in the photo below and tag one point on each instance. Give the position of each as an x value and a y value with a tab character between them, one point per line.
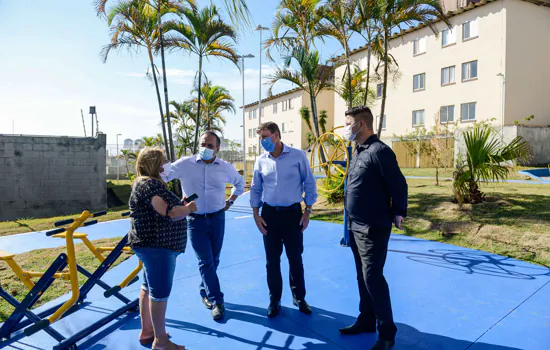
167	169
348	132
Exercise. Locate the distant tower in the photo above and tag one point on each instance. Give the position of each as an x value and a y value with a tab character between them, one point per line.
128	143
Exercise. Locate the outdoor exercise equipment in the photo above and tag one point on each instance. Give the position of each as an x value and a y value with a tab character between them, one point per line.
329	159
42	321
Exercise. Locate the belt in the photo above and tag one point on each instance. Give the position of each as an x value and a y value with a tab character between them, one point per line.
295	206
207	215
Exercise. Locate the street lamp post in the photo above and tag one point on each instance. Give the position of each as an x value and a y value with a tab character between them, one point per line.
242	57
117	165
260	29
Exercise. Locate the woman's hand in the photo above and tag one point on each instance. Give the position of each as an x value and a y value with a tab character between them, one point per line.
191	206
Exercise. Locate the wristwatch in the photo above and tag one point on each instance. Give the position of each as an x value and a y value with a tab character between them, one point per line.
231	202
309	209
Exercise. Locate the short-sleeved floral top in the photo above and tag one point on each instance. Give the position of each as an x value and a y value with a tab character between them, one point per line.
149	229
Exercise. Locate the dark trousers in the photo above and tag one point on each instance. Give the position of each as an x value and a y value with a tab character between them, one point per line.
283	228
370	248
206	236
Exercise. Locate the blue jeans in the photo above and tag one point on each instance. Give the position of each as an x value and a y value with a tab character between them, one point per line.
206	236
159	265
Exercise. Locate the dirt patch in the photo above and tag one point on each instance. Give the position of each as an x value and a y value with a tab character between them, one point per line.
449	211
460	227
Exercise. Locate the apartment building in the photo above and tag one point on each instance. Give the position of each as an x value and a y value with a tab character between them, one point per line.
284	109
492	63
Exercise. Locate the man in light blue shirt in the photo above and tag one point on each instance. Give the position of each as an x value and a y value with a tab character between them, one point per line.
207	176
281	177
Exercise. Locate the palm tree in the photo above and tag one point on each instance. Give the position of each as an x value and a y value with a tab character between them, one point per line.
215	100
340	22
311	76
148	141
486	160
237	10
296	24
204	34
184	120
392	15
133	26
355	88
367	27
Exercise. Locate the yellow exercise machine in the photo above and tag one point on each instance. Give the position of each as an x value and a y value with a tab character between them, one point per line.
57	270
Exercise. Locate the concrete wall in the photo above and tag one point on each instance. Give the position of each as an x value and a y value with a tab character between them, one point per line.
527	63
44	176
539	140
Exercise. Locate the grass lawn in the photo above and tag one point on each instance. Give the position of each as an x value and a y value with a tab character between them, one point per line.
39	260
514	221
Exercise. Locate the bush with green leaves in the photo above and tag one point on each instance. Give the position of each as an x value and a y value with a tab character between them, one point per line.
487	158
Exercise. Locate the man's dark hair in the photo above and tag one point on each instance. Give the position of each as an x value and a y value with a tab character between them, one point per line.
271	126
362	113
211	133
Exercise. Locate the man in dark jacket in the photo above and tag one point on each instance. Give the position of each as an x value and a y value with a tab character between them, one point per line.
375	198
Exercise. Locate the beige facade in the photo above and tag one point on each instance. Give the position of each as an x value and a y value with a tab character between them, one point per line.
488	42
284	109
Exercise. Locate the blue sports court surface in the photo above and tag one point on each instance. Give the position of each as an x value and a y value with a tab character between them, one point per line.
444	297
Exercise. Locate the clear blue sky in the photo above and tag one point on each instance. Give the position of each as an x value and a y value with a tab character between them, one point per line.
51	69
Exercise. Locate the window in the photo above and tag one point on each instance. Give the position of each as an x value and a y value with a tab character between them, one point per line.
469	70
249	115
254	149
275	108
285	105
284	127
468	111
469	30
291	127
262	112
379	90
448	37
419	46
447	114
378	122
290	103
448	75
255	114
419	82
249	150
418	118
250	132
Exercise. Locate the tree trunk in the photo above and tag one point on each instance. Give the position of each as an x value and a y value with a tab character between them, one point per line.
159	101
171	155
314	114
368	75
369	52
385	87
198	118
350	97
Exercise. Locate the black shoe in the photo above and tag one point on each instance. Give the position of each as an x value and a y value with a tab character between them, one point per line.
218	312
302	305
207	303
273	309
359	327
383	344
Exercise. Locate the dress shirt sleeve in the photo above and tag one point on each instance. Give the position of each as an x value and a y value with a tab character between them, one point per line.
176	172
394	181
236	180
256	188
310	186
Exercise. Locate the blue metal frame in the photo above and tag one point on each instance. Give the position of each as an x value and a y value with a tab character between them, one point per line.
15	322
22	309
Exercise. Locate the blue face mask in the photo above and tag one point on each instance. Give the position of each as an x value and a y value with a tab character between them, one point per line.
268	144
206	153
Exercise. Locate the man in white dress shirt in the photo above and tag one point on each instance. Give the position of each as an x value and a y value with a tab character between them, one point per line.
207	176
